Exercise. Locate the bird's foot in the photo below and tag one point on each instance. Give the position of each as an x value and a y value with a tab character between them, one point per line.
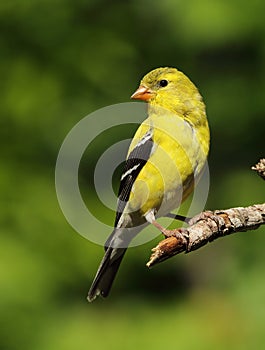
178	233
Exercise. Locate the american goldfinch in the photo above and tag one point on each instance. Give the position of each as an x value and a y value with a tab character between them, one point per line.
166	156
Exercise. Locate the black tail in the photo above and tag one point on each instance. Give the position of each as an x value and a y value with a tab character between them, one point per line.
115	249
106	273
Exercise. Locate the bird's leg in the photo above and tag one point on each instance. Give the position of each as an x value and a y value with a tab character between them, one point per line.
150	217
178	217
160	228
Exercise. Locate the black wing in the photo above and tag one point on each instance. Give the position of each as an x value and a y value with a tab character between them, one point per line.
134	164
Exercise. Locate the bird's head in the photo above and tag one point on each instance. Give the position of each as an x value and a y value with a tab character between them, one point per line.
170	89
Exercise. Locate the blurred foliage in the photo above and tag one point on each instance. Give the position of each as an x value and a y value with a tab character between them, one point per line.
61	60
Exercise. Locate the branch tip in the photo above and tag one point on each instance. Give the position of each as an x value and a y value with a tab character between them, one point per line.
210	225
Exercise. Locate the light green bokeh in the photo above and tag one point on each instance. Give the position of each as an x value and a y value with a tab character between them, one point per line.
63	60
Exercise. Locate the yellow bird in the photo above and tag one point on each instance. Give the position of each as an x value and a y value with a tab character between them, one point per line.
166	156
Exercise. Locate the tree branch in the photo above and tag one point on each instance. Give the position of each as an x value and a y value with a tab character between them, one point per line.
260	168
210	225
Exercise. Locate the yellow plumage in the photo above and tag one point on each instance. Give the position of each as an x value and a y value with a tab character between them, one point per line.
181	134
166	156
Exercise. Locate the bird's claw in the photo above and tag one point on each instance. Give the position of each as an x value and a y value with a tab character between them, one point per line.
177	233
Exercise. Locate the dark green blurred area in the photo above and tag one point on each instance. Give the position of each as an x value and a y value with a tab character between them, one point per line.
61	60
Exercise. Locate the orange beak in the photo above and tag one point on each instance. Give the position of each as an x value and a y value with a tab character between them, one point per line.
142	93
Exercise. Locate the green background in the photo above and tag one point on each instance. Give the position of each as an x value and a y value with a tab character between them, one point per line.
61	60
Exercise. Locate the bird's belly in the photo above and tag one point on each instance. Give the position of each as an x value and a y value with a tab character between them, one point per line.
165	182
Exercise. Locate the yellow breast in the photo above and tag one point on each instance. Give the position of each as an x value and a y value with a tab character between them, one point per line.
178	156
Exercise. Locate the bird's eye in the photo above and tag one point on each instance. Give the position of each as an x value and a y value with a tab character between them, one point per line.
163	83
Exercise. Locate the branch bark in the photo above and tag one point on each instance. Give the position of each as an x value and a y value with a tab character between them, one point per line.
260	168
210	225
